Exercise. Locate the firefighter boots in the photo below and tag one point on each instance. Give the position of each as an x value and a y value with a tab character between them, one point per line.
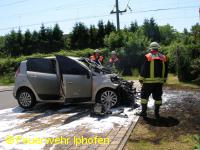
144	111
157	111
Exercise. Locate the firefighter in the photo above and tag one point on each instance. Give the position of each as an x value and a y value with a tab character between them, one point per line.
152	76
114	60
97	57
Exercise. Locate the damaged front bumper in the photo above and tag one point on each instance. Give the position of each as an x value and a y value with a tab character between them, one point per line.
126	90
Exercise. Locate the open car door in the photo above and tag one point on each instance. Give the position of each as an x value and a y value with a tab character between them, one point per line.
41	74
75	80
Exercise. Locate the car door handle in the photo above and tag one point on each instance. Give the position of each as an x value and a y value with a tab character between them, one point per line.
69	82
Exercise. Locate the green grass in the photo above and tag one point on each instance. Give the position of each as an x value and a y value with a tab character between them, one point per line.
146	137
172	82
7	79
130	77
186	142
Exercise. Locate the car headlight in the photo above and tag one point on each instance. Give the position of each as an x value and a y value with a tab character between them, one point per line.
115	79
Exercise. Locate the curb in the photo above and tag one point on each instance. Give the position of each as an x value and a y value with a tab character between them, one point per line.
128	133
6	88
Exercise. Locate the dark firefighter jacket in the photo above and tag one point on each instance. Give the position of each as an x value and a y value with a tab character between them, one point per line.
155	68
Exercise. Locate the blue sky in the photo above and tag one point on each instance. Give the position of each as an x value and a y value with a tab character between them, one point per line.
30	14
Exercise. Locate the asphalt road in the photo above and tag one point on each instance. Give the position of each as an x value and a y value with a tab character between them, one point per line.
7	100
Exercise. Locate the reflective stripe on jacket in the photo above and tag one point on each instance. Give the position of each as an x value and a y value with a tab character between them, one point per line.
155	68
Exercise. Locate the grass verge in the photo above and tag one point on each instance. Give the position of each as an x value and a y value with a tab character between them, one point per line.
7	79
172	82
144	139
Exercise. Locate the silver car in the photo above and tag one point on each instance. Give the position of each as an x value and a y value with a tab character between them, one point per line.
67	80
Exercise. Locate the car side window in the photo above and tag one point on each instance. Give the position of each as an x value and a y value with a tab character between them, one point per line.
69	66
41	65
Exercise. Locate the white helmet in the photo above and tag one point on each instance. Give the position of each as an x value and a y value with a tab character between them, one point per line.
154	45
97	51
113	53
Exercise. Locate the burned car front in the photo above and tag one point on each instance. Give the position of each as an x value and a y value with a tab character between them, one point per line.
125	90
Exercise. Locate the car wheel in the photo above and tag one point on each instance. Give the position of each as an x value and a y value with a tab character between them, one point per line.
108	98
26	99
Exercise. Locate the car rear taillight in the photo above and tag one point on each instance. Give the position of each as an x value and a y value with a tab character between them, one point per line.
17	72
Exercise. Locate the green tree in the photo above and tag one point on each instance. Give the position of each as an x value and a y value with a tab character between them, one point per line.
133	27
195	70
20	40
195	31
151	30
79	36
42	43
2	46
11	44
35	42
93	37
167	34
58	38
57	33
116	39
109	27
2	41
27	46
49	42
130	47
133	53
100	34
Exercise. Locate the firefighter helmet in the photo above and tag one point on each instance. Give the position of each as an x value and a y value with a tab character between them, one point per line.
154	45
113	53
97	51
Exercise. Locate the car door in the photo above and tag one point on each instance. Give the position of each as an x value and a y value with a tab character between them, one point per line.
76	80
42	75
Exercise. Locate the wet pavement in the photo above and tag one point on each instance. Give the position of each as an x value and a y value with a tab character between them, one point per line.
74	122
56	121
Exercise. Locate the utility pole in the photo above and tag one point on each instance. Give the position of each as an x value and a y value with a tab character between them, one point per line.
117	12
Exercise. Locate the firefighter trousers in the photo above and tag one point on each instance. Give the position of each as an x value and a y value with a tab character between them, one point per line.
152	88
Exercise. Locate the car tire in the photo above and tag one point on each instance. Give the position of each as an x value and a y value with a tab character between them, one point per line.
107	96
26	98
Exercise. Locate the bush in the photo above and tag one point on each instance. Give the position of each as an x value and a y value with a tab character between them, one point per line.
197	140
195	70
10	64
130	48
184	61
7	79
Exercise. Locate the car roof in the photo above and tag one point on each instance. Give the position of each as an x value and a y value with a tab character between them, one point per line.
53	57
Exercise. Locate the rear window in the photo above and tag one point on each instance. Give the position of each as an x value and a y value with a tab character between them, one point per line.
41	65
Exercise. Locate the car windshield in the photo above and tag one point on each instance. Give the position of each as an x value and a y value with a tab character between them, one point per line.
94	66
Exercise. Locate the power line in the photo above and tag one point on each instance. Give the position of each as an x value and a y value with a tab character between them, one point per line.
55	21
13	3
97	16
164	9
56	8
